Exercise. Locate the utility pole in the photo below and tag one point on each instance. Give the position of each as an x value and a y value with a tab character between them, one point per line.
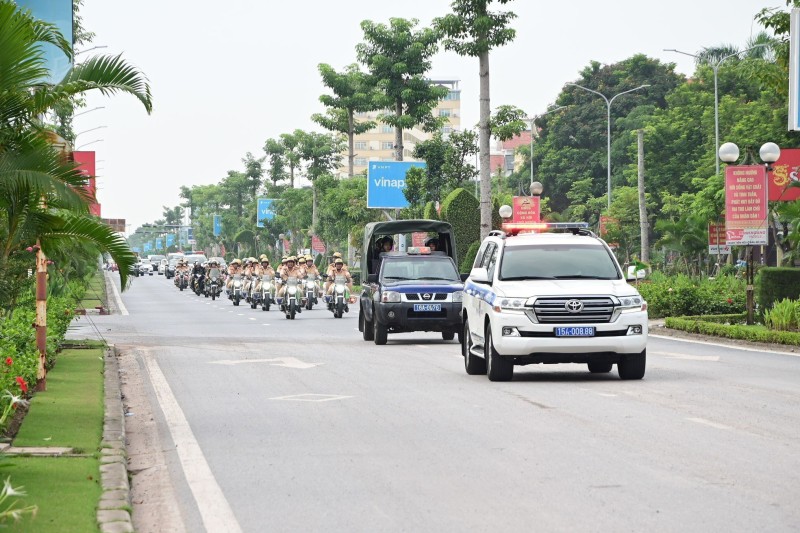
643	224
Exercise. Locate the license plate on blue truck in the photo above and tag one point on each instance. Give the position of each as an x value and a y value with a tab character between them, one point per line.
576	331
427	308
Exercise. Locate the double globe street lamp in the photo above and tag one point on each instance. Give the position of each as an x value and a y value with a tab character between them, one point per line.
608	101
769	154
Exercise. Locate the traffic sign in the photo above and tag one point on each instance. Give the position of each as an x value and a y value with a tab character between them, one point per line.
386	181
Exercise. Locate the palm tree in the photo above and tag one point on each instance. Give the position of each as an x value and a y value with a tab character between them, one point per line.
42	194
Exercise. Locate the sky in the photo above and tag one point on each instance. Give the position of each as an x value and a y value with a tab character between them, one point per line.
227	76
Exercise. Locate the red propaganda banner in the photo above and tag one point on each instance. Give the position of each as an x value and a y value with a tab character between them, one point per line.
86	165
717	242
526	209
785	171
419	238
746	205
317	245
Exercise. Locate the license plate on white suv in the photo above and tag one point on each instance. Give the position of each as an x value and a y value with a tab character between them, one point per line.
427	308
576	331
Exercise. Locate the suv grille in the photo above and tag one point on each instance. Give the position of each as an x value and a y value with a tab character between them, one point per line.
554	310
439	296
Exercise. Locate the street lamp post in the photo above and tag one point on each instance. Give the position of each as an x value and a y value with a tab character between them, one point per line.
87	144
536	190
715	67
88	111
608	125
533	121
769	153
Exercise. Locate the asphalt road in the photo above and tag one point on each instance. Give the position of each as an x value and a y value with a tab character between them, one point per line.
302	426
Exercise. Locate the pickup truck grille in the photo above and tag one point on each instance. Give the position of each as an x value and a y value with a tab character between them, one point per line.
594	310
412	296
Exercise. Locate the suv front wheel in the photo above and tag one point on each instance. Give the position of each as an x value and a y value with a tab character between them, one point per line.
473	364
632	365
497	367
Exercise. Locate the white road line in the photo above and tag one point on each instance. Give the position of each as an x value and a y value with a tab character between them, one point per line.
215	511
265	324
709	423
744	349
240	314
115	292
251	318
687	357
421	346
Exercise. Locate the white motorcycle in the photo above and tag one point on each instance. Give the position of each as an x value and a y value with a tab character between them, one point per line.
267	293
236	293
341	296
291	298
311	291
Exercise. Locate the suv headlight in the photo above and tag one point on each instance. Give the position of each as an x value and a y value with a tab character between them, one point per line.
458	296
390	297
509	304
632	304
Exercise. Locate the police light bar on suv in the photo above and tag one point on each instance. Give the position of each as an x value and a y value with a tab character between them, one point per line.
514	228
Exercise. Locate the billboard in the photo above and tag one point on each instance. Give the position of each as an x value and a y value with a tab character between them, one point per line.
526	209
746	205
784	179
317	245
158	244
117	224
386	181
170	239
264	211
86	165
717	243
58	12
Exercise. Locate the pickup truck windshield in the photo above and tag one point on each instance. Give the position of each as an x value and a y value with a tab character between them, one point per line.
562	261
428	268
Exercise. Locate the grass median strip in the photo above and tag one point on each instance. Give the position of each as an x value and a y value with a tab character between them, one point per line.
69	414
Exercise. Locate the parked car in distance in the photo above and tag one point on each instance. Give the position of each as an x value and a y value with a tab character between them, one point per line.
155	260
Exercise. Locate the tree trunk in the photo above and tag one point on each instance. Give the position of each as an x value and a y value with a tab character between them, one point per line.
350	144
314	214
644	226
291	175
398	133
483	148
40	322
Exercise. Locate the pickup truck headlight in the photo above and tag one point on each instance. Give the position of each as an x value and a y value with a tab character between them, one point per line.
632	304
390	297
458	296
509	304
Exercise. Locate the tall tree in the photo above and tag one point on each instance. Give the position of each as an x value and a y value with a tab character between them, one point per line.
253	172
472	30
322	154
291	154
276	152
353	92
398	58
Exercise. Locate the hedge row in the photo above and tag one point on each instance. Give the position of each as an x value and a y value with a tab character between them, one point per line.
684	296
774	284
462	210
733	331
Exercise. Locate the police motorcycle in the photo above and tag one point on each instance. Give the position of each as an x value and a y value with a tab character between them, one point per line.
253	296
291	301
267	293
310	289
213	286
337	302
182	280
236	292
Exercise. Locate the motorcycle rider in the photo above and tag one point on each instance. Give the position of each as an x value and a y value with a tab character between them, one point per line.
264	270
198	269
330	270
301	264
339	269
234	269
290	270
312	270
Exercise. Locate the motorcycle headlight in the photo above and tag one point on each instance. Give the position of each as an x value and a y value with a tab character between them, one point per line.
237	284
390	297
292	290
458	296
340	290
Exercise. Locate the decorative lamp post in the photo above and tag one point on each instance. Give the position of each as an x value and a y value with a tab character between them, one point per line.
769	154
536	191
608	101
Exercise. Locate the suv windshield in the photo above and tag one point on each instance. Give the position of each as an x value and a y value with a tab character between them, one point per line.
429	268
562	261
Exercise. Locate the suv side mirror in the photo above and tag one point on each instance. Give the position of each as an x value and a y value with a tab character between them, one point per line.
372	278
479	275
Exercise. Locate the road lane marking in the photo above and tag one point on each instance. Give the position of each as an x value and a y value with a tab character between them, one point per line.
240	314
215	511
251	318
287	362
687	357
312	397
720	345
265	324
709	423
117	297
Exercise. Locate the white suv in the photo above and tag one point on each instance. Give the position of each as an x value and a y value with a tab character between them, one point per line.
551	298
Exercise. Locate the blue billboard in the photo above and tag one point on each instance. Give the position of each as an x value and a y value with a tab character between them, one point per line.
264	211
386	181
170	239
158	243
147	247
217	225
59	13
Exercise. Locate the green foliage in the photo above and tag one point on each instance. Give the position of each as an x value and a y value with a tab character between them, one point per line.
783	316
430	212
682	295
469	258
460	209
472	30
733	331
507	122
775	284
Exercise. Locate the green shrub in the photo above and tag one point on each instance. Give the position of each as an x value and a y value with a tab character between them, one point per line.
733	331
783	316
681	295
430	212
776	283
461	210
469	259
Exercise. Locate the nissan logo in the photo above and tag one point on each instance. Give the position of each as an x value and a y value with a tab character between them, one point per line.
574	306
426	296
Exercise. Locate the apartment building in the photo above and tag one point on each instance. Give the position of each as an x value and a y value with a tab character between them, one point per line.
378	143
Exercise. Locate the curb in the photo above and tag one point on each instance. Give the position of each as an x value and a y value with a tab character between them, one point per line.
114	509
